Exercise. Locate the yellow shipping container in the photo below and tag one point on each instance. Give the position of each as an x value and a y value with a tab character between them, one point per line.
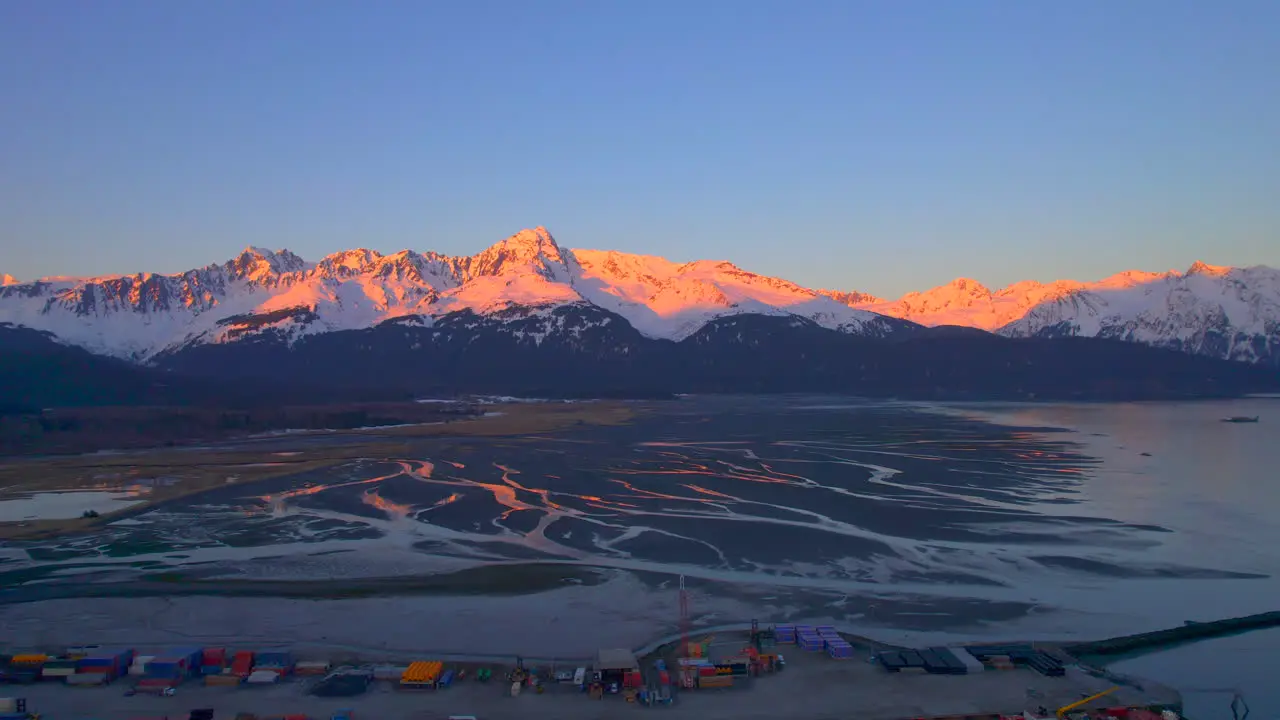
29	659
422	671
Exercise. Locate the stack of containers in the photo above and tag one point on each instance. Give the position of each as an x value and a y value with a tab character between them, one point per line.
786	634
25	667
277	661
808	639
163	672
242	664
213	661
139	665
58	669
87	679
839	649
189	659
835	645
110	664
170	669
694	669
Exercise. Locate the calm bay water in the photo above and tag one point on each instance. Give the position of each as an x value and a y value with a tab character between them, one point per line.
1216	486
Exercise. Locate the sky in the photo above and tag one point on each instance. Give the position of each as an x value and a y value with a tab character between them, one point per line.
880	146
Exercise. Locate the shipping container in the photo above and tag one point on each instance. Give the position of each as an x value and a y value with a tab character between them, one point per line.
29	659
422	672
167	668
388	672
263	677
86	679
18	676
242	663
273	658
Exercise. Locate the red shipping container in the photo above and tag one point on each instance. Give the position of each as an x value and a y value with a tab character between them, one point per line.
706	671
214	656
242	665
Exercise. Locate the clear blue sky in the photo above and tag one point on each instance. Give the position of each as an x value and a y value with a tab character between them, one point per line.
881	146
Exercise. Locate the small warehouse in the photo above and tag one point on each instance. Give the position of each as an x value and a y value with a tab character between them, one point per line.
617	666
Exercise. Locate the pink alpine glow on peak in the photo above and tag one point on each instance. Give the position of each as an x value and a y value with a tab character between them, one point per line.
274	291
7	279
261	290
1203	268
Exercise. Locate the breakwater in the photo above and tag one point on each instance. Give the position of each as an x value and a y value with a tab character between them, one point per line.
1161	639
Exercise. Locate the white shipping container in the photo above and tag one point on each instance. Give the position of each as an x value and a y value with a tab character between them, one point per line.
139	666
262	677
388	672
8	705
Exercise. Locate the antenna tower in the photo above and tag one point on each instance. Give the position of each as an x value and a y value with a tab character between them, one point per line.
684	620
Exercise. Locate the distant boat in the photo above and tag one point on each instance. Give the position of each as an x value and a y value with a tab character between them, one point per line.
1240	419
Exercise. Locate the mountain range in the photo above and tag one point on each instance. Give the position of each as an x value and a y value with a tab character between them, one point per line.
614	319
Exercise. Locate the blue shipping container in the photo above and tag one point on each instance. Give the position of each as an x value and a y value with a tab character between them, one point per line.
163	668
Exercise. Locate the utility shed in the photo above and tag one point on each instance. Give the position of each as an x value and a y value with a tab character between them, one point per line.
622	659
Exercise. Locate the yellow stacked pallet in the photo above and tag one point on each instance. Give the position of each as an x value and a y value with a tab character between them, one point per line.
422	672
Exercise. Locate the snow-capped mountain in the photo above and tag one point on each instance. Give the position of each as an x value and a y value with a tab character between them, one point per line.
969	303
273	295
7	279
1224	312
277	295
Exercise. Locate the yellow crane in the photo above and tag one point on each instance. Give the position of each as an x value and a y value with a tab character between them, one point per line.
1062	711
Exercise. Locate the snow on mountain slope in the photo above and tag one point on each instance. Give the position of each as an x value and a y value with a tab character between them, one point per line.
7	279
1209	310
661	298
276	294
969	303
